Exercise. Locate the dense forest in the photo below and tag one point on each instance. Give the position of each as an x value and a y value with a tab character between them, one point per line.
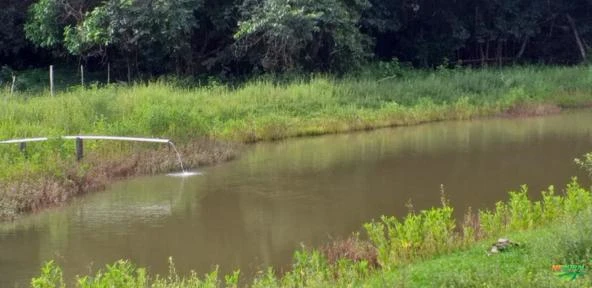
144	38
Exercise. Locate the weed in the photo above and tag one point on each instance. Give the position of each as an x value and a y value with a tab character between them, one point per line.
577	199
429	232
552	205
51	277
120	274
521	210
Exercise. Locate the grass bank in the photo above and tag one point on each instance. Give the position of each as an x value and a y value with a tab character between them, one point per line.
254	111
425	249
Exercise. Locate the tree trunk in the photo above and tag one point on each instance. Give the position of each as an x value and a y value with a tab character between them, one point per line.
486	52
199	59
137	67
129	71
572	24
499	52
316	47
551	28
204	45
178	64
522	48
482	54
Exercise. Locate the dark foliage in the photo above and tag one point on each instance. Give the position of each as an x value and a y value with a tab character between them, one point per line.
230	38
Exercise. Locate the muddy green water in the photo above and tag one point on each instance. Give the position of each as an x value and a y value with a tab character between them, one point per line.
255	211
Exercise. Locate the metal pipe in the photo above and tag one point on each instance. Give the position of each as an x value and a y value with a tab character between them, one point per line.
136	139
80	146
24	140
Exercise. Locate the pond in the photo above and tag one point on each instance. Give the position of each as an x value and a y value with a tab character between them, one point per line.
256	211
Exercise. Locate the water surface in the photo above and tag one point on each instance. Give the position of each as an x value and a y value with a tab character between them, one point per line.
255	211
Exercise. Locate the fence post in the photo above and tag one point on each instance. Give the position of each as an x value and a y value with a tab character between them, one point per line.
12	86
79	149
108	73
82	75
23	148
51	79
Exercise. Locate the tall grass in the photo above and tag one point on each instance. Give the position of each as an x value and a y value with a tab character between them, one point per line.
266	110
555	230
269	110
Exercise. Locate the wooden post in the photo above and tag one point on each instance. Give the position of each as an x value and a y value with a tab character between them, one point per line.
79	149
12	86
51	79
23	148
82	75
108	73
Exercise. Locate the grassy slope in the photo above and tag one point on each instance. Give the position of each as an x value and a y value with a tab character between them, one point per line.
527	266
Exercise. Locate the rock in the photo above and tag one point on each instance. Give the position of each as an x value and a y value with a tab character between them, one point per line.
502	245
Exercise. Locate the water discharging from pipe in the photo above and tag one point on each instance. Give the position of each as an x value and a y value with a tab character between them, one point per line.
183	173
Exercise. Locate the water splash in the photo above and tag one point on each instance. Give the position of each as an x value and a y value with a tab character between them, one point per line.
185	174
178	156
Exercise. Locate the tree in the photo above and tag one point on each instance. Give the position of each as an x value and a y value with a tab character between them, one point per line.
155	30
232	37
151	31
283	35
48	19
212	38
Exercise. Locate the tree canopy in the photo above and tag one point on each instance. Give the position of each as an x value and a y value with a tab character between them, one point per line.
191	37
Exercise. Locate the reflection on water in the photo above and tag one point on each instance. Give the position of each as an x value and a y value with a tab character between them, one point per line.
255	211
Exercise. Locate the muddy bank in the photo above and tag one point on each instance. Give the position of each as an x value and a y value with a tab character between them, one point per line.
95	172
531	110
